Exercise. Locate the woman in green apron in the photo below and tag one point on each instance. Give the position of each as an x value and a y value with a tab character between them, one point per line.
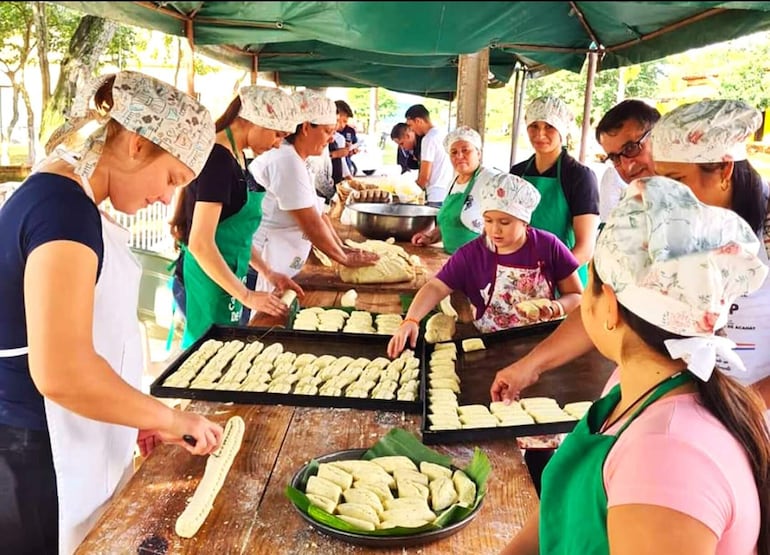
218	214
676	457
570	193
459	220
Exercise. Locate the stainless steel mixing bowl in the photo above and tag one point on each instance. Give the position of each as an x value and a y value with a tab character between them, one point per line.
380	221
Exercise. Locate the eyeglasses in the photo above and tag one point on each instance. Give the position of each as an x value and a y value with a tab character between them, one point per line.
629	150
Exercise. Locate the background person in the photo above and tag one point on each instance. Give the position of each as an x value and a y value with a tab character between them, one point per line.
293	215
219	212
408	153
676	458
511	263
570	205
435	172
459	219
71	364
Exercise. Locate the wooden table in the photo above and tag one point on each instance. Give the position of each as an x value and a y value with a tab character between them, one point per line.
251	513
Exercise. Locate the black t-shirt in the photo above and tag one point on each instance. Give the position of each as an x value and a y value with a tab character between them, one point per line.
222	180
577	181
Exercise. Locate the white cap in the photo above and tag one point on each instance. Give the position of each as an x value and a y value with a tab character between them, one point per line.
705	132
316	108
270	108
551	110
463	133
511	194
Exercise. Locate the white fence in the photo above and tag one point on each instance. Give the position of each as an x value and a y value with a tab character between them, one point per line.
150	229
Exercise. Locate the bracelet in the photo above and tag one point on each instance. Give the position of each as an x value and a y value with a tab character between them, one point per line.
407	320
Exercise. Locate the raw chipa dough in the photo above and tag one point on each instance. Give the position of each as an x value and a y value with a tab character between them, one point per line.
394	265
388	491
531	308
217	466
473	344
440	327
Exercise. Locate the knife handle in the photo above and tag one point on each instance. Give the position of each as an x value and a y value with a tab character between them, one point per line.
190	439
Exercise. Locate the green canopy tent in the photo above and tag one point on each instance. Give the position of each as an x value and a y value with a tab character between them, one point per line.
413	46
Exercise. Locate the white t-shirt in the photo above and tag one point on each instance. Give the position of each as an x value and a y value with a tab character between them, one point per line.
339	142
441	171
288	186
610	190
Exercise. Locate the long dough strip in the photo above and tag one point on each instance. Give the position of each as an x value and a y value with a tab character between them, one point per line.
217	467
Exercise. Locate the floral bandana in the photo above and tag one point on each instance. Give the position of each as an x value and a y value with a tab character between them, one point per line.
154	110
705	132
463	133
270	108
510	194
679	264
551	110
316	108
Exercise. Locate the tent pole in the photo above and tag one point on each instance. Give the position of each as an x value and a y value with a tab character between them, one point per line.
254	67
472	80
518	107
593	59
188	31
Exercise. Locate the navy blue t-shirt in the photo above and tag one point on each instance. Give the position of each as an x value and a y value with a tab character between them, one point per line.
47	207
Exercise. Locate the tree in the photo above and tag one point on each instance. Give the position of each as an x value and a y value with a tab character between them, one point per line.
16	24
359	102
86	46
41	34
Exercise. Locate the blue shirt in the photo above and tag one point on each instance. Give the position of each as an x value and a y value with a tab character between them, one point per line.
47	207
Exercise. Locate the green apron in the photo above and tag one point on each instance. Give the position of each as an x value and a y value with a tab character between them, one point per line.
207	302
553	213
454	234
573	503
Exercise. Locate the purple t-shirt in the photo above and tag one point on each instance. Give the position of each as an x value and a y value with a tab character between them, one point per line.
472	268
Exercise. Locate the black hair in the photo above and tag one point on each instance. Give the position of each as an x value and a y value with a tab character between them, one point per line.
343	108
630	109
398	131
417	111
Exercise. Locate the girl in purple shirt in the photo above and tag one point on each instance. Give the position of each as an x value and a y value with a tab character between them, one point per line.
511	274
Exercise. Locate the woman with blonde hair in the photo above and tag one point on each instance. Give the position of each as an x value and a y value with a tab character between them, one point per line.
71	410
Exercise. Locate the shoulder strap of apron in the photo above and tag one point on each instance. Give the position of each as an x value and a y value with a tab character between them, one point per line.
469	186
236	153
668	385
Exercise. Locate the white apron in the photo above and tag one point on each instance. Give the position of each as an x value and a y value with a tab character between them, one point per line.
92	458
285	251
511	285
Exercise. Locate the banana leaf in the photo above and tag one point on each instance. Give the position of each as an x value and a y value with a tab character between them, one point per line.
399	442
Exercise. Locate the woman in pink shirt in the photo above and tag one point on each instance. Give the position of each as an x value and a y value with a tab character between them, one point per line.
675	459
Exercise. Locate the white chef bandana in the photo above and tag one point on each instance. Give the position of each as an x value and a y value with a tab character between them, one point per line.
705	132
679	264
463	133
510	194
315	107
152	109
269	107
551	110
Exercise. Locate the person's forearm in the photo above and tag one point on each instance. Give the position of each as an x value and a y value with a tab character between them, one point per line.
527	541
566	343
209	258
583	252
325	238
569	302
327	220
88	386
258	263
427	298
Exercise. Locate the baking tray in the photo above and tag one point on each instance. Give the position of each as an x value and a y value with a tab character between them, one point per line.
580	380
318	343
369	540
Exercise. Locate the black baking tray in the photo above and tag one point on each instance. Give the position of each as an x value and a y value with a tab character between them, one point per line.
332	343
580	380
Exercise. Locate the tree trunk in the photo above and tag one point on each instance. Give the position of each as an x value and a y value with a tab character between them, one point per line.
87	44
15	106
179	56
41	31
30	124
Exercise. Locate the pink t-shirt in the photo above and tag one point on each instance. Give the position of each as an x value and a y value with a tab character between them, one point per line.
677	455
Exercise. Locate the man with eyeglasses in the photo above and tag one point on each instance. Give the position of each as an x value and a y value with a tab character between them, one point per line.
623	134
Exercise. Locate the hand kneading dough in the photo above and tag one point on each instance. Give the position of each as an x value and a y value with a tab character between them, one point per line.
217	466
386	270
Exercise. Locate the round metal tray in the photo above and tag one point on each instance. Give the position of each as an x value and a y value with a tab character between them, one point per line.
409	540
